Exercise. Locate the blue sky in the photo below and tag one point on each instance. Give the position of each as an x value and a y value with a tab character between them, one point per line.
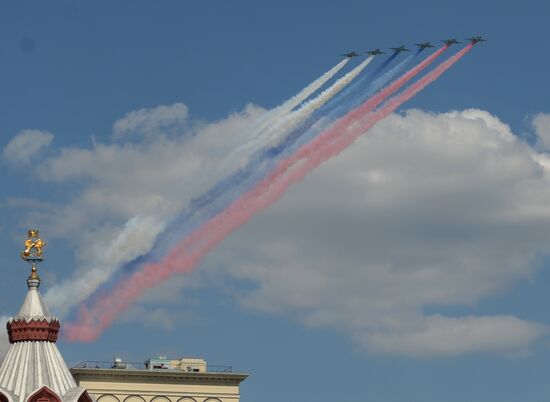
74	68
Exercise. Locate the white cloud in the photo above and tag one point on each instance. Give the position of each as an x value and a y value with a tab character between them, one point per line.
151	311
439	336
25	145
4	340
121	181
541	123
426	210
107	249
159	317
129	192
160	120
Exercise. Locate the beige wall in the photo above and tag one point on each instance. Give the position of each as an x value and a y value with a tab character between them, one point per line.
146	391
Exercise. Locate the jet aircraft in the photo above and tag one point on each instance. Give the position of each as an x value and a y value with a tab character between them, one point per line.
399	49
424	45
450	41
374	52
349	55
474	39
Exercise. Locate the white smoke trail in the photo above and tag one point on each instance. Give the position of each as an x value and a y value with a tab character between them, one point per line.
267	119
312	88
294	119
137	235
285	124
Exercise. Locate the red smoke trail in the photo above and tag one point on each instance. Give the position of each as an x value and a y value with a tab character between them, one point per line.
187	254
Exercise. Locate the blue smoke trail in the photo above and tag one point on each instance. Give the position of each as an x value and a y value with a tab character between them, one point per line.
385	64
228	189
358	83
296	138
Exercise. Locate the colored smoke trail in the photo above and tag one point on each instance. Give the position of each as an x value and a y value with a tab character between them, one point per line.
293	119
340	108
313	87
284	108
335	140
287	124
228	189
290	144
385	63
188	253
259	166
76	289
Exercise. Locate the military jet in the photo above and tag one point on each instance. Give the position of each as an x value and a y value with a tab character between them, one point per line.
349	55
474	39
399	49
424	45
374	52
450	41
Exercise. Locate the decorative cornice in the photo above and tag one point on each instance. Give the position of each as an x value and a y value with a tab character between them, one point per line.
33	330
155	376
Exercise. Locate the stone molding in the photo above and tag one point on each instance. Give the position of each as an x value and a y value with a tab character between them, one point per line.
44	394
155	376
33	330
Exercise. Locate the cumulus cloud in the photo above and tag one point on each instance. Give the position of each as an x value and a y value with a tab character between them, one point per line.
108	249
166	306
4	341
124	180
541	124
25	145
160	120
439	336
128	193
426	210
159	317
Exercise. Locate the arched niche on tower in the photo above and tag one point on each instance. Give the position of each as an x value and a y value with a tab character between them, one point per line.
107	398
43	394
85	397
187	399
5	396
212	400
134	398
160	398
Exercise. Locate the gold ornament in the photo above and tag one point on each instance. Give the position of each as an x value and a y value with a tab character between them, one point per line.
33	251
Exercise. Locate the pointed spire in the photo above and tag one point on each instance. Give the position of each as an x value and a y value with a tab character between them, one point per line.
33	361
34	321
34	307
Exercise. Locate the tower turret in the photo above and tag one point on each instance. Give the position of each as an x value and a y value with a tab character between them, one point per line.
33	369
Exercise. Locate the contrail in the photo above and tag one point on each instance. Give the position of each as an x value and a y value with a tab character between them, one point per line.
312	88
298	138
188	253
263	161
285	123
278	111
206	206
251	151
336	139
79	288
385	63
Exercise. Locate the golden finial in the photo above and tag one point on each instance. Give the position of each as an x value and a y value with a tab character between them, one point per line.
33	233
33	252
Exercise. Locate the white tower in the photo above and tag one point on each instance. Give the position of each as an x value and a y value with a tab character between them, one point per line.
33	369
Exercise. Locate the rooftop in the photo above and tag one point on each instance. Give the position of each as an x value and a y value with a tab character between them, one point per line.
160	370
184	365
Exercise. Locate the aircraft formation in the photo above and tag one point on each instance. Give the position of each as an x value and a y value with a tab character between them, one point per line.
421	46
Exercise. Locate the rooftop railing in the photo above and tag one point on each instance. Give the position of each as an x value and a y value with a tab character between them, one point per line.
91	364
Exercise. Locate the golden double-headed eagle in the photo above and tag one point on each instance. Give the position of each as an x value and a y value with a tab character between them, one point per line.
33	245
